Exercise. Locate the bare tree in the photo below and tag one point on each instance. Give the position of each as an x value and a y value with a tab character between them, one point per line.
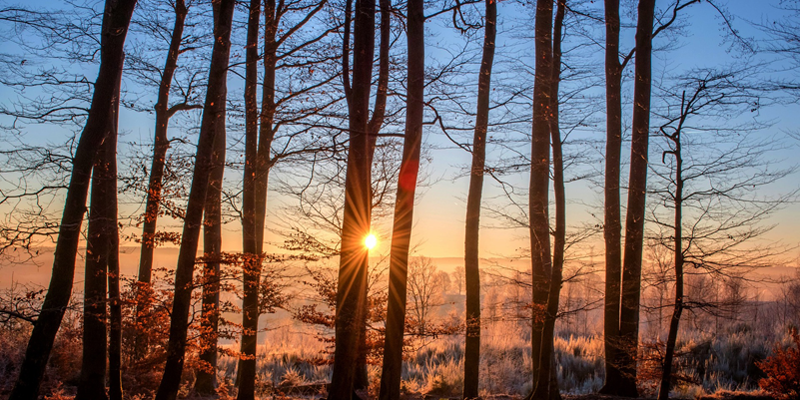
471	256
101	234
708	186
163	112
115	25
212	111
538	214
351	292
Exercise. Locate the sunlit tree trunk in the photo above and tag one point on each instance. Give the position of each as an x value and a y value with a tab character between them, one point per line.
472	229
161	145
374	127
353	259
634	222
212	111
404	207
540	178
547	381
612	224
116	19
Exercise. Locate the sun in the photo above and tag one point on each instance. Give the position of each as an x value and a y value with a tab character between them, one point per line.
370	241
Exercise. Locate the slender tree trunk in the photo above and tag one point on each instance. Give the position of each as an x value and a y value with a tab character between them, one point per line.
161	145
102	225
206	382
612	226
404	207
540	177
115	302
250	232
351	292
547	381
213	110
115	27
672	336
634	223
472	229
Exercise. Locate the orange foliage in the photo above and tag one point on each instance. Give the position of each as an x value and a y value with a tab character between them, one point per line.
783	371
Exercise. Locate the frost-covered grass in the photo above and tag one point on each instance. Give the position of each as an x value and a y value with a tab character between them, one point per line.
712	362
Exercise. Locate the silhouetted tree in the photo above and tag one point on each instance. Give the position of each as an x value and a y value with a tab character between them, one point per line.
115	26
351	292
212	111
471	240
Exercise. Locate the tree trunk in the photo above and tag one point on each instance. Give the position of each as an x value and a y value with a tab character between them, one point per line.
161	145
102	225
634	223
206	382
251	268
353	260
547	381
540	177
374	126
404	207
472	229
116	19
612	225
111	209
212	111
672	336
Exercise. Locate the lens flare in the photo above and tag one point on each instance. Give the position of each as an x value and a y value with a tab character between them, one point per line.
370	241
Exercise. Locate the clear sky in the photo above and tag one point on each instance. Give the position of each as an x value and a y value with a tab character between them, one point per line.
439	216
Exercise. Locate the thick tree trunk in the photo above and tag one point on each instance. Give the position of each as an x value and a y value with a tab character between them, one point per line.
251	268
472	229
161	145
213	110
404	207
547	381
206	382
353	260
374	126
540	177
102	226
634	223
612	224
115	27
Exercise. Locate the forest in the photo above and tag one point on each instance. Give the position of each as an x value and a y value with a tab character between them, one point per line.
468	199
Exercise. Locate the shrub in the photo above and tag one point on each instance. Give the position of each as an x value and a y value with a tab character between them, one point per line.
783	371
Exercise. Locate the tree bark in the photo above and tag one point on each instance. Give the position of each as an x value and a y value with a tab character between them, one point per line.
634	222
540	178
102	226
404	207
160	147
374	127
547	381
212	111
351	291
472	228
111	213
612	223
251	239
115	27
206	382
